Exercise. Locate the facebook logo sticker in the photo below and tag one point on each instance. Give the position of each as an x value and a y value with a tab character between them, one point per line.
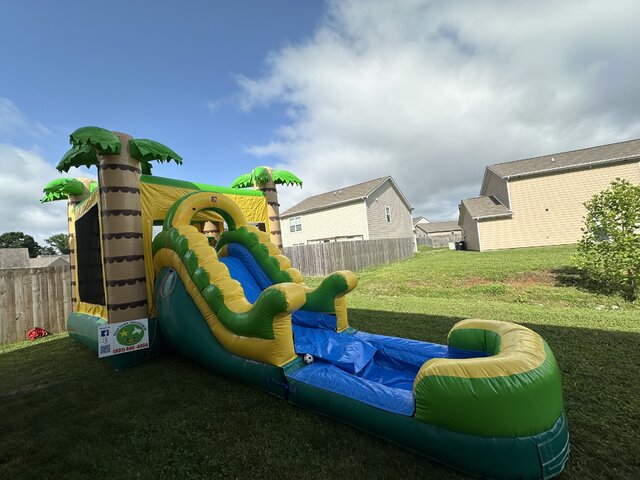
104	333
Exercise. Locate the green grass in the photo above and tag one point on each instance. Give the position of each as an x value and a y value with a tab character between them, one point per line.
64	414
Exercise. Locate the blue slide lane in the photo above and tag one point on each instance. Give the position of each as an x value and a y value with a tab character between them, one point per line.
374	369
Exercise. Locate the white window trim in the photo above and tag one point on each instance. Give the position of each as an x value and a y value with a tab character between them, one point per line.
294	223
387	213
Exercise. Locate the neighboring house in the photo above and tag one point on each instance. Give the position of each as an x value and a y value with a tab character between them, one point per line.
19	258
49	261
418	233
14	257
420	220
540	201
439	229
366	211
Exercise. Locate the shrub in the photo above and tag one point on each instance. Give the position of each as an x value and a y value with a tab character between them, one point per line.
609	251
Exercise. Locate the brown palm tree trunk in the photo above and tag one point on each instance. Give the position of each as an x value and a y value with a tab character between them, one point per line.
273	208
71	204
121	222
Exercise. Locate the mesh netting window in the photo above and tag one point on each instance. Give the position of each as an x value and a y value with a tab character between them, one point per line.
89	256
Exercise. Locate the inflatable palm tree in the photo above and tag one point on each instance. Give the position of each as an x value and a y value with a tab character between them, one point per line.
74	190
68	189
120	160
265	179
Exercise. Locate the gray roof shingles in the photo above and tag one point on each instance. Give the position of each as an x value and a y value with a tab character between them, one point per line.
435	227
484	207
574	159
335	197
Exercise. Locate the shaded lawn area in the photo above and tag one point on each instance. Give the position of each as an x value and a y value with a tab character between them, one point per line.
64	414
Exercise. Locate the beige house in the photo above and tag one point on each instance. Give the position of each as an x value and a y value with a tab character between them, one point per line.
366	211
14	258
449	229
19	258
419	220
539	201
50	261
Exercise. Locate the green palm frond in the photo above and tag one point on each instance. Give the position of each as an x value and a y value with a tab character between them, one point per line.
92	186
53	196
260	175
243	181
146	150
61	188
145	167
285	177
77	156
104	141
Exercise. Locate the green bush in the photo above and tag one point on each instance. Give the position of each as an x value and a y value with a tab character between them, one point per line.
609	251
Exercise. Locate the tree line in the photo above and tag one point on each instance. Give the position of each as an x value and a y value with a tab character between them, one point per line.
55	245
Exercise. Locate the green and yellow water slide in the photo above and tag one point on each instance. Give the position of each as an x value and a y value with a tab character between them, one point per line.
488	403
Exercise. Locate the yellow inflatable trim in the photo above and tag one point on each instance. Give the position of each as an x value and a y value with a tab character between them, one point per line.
521	350
91	309
203	200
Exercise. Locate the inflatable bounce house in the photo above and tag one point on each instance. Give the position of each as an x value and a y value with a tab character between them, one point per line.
214	285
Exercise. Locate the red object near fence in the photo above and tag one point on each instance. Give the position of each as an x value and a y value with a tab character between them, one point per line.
37	333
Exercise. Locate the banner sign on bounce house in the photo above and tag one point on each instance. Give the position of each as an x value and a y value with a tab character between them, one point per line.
116	338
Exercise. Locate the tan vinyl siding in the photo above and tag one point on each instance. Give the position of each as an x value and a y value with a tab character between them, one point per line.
343	221
497	187
401	224
470	230
549	210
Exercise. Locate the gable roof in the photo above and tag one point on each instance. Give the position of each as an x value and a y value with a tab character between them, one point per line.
49	261
435	227
415	220
340	196
485	207
575	159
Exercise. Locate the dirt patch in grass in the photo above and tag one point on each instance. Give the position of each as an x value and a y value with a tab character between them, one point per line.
543	278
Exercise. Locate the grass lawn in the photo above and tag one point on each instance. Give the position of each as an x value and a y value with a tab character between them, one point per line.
64	414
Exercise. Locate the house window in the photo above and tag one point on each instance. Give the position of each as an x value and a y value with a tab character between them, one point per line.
387	213
295	224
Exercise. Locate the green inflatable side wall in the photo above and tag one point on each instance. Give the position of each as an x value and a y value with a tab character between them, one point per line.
185	330
533	457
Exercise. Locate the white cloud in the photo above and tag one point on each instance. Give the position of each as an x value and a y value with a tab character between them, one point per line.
432	91
14	123
23	174
215	105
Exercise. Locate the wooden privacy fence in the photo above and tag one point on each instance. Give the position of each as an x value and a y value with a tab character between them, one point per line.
33	297
320	259
440	241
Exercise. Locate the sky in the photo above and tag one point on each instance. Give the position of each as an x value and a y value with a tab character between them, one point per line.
338	92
